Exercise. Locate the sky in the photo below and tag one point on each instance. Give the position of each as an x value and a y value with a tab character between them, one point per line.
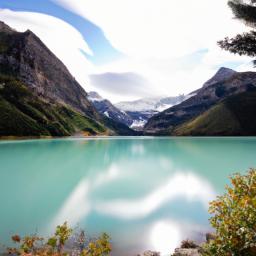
131	49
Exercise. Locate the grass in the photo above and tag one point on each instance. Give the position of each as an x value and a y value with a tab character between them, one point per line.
14	122
216	121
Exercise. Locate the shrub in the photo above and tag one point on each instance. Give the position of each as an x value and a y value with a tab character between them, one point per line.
57	244
188	244
98	247
61	236
234	218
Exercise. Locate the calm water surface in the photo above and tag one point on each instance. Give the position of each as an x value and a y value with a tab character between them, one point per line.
147	193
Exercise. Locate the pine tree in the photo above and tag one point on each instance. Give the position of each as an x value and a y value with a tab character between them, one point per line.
242	44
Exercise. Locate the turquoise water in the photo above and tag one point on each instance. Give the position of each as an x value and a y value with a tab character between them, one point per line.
147	193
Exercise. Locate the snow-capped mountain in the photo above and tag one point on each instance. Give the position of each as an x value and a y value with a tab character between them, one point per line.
155	104
106	108
134	114
143	109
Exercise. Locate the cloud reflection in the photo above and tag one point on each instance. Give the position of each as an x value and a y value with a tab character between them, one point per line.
187	185
102	178
162	235
77	205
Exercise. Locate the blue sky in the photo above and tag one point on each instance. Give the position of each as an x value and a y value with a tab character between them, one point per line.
160	47
93	35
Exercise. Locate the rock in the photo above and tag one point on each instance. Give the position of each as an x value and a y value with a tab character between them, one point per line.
188	244
151	253
186	252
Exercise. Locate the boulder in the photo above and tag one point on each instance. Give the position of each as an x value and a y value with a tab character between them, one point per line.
187	252
151	253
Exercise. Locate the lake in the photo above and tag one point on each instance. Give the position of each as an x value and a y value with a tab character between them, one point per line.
147	193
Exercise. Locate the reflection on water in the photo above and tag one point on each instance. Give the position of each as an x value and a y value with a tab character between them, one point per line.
181	185
165	236
147	193
75	208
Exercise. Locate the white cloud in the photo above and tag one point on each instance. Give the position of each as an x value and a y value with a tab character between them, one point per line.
170	77
60	37
247	66
158	28
157	36
127	83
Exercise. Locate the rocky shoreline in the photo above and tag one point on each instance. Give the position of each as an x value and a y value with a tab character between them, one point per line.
177	252
187	252
187	248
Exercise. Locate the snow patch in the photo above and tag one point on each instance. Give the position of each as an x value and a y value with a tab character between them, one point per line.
106	114
156	104
138	123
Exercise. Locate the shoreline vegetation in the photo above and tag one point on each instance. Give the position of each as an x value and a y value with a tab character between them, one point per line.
233	216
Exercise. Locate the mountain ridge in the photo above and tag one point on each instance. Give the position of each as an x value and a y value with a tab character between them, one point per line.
106	108
37	89
206	97
143	109
222	74
230	117
33	63
26	61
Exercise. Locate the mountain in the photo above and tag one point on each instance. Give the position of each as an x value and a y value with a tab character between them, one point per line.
106	108
143	109
43	85
156	104
221	75
232	116
24	56
133	113
213	92
25	114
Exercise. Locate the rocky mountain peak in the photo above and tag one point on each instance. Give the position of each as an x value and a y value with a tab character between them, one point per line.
225	71
35	65
5	28
94	96
221	75
225	83
29	34
106	108
26	58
